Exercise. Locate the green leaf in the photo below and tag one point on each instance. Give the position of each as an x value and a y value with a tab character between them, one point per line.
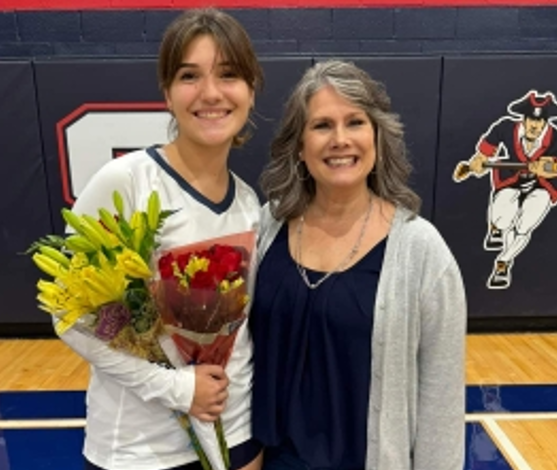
54	241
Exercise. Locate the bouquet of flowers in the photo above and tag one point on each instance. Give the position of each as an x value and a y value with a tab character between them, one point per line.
101	277
103	285
201	297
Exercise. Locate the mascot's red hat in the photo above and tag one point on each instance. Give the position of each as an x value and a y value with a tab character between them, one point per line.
536	106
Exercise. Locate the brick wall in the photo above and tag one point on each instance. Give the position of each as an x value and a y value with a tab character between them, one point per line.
136	33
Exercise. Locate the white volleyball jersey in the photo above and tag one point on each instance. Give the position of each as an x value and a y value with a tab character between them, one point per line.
130	424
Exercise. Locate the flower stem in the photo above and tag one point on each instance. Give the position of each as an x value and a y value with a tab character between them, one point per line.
222	443
186	424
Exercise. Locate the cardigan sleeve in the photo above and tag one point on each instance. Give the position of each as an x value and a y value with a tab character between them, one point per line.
440	436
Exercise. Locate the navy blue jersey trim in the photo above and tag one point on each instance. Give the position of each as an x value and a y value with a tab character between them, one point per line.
217	208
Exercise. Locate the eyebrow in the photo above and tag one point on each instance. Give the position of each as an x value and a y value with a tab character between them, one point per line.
189	65
349	116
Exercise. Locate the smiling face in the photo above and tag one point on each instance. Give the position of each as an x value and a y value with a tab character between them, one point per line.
338	141
208	99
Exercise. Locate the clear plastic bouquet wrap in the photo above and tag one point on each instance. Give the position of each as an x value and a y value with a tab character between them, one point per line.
201	296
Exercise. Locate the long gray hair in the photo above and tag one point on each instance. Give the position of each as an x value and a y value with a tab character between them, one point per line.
285	181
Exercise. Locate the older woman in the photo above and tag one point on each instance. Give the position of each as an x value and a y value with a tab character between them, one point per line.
359	312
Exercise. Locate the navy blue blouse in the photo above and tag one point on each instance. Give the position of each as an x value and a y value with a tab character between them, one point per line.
312	358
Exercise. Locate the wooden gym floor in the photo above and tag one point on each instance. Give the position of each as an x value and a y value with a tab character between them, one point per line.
511	403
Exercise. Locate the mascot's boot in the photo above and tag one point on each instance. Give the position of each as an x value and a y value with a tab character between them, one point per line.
494	239
501	275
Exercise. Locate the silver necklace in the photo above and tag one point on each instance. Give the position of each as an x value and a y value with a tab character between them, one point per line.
343	263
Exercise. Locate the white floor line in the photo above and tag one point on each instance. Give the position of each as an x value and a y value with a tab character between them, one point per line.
42	423
505	445
79	422
474	417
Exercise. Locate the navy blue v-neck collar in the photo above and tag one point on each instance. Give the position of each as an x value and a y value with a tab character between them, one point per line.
217	208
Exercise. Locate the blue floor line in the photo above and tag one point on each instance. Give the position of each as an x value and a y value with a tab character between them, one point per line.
511	398
60	449
487	398
42	405
42	449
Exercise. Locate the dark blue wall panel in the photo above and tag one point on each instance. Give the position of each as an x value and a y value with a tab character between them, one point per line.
24	209
445	104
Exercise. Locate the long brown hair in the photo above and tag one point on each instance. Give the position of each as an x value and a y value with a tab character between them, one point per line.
232	40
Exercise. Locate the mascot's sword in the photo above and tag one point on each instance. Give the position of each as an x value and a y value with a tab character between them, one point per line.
462	170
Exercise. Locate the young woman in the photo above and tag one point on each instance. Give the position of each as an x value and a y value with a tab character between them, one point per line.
359	311
208	73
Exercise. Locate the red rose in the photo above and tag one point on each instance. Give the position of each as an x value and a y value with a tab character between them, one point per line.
201	254
231	262
217	272
165	266
203	280
182	261
220	251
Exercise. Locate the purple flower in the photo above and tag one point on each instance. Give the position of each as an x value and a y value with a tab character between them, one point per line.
110	320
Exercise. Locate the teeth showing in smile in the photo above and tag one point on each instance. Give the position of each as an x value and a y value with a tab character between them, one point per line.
344	161
211	114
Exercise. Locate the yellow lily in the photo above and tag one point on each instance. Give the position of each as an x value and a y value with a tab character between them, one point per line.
103	285
48	265
132	265
110	223
55	254
78	243
105	237
78	261
51	295
68	320
153	210
118	203
139	227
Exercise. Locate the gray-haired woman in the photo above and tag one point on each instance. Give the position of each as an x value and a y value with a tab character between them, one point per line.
359	311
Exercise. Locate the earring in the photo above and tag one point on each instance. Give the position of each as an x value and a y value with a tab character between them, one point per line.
301	171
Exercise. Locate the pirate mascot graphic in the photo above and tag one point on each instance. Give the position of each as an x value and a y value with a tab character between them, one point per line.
520	153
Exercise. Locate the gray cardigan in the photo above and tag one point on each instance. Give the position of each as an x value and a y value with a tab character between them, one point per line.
416	406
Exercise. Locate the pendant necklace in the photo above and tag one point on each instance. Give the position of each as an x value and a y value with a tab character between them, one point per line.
339	267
